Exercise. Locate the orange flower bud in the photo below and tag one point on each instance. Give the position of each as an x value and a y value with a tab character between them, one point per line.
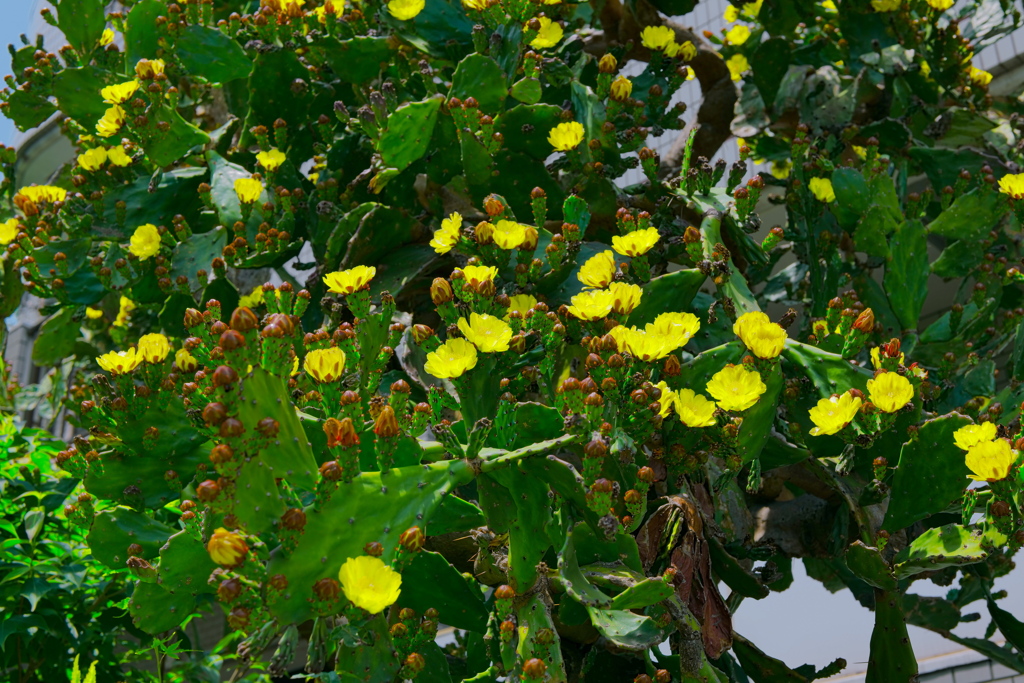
441	291
865	322
412	539
387	424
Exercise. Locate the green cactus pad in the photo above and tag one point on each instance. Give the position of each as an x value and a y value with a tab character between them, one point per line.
155	610
458	604
114	530
945	546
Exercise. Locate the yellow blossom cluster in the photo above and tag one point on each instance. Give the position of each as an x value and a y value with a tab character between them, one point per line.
989	458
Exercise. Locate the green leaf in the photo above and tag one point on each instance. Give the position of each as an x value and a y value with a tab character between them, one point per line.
176	192
114	530
931	474
480	77
373	507
733	573
828	372
853	197
867	563
892	655
141	39
223	175
770	63
185	565
670	292
208	52
82	22
456	514
527	90
932	613
958	259
28	109
643	594
996	653
78	93
155	610
947	546
369	657
971	216
1008	625
906	273
359	59
179	447
625	629
11	289
874	230
56	340
458	603
19	624
408	133
525	129
759	419
195	254
164	148
290	457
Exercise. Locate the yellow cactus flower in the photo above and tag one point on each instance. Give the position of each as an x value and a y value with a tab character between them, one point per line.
549	35
738	34
93	313
248	189
369	583
119	362
447	236
118	157
271	159
566	136
990	460
833	413
521	303
111	122
636	243
107	37
622	88
822	190
598	270
154	348
1011	184
477	275
626	297
404	10
781	169
687	51
969	436
325	365
43	193
186	362
508	234
92	159
227	548
732	13
694	409
758	333
145	241
486	332
886	5
830	6
657	37
149	68
451	359
592	305
125	308
940	5
9	230
667	400
735	387
253	298
737	65
644	345
348	281
120	93
979	77
478	5
680	326
890	391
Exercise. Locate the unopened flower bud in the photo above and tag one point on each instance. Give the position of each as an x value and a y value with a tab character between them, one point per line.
441	291
412	539
386	425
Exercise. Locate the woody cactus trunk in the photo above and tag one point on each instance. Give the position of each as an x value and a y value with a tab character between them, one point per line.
514	373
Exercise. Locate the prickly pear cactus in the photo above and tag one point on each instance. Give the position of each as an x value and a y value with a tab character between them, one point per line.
380	320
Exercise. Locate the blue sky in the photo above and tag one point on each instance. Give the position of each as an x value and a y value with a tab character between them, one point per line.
14	20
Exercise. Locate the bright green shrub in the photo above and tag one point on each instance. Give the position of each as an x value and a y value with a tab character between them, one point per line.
507	394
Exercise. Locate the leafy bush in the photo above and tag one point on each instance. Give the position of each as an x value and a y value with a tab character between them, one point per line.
495	387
